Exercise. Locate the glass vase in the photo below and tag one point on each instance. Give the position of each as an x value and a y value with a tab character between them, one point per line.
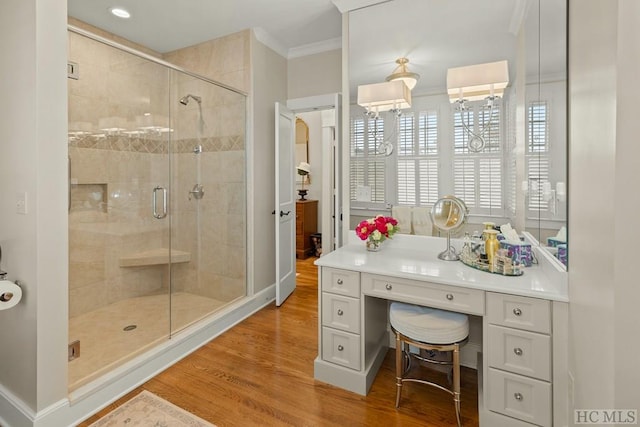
373	245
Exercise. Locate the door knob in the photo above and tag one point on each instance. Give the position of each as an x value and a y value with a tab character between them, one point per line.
284	213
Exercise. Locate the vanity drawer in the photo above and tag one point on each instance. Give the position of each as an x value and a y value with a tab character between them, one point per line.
341	312
520	352
530	314
451	298
519	397
341	348
342	282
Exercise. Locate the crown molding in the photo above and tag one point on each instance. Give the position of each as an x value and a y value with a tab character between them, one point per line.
349	5
317	47
266	39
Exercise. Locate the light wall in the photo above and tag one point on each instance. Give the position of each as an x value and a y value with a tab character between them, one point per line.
33	161
627	199
317	74
269	84
603	176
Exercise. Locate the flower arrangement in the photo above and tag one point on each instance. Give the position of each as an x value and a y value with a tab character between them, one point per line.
376	230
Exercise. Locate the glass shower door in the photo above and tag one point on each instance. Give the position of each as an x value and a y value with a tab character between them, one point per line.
208	216
119	238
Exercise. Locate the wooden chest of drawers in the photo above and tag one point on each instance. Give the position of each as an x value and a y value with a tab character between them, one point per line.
306	225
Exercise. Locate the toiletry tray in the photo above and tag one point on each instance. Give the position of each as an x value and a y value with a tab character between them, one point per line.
503	266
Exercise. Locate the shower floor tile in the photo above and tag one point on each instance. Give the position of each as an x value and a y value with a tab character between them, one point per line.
104	344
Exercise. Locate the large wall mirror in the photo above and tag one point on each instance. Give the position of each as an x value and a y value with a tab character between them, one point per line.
519	174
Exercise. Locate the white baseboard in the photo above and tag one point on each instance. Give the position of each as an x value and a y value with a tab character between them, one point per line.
91	398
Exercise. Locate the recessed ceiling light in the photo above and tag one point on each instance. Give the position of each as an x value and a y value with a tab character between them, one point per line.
120	12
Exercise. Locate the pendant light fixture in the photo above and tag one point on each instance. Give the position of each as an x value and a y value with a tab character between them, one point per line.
402	73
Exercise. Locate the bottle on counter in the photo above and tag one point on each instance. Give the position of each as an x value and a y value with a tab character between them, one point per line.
491	246
487	226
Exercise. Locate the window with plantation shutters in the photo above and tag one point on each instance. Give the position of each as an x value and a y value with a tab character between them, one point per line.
417	159
366	167
538	162
478	176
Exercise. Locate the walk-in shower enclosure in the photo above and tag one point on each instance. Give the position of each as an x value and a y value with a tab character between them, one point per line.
157	212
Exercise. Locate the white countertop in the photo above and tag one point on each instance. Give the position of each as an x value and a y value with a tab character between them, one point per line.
416	258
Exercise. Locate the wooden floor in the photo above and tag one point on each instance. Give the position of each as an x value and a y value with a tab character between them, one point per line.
260	373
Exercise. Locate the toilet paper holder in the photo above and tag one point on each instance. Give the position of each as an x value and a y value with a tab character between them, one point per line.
6	297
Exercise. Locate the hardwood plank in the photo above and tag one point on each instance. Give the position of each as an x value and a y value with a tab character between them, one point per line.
260	373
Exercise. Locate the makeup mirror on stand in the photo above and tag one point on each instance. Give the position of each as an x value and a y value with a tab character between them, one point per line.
448	214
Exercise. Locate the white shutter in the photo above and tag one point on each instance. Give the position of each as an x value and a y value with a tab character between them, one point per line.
538	173
538	131
366	167
477	176
464	180
490	183
538	163
357	138
406	135
356	176
428	172
417	161
375	179
428	133
406	182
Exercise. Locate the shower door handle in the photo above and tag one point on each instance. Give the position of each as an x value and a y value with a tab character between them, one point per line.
155	202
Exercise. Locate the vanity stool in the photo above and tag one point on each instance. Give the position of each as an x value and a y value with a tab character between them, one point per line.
427	329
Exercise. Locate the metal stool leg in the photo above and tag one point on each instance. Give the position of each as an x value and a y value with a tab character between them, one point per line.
456	382
399	367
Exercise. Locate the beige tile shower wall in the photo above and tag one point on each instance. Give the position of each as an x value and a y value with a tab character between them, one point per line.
225	59
114	89
212	228
98	239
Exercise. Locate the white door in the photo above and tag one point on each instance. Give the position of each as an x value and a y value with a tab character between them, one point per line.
285	204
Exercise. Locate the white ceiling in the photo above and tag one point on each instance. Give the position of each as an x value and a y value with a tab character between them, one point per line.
439	34
433	34
166	25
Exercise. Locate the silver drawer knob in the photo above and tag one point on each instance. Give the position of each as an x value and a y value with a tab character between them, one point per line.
340	282
340	348
450	297
518	396
517	351
388	287
517	311
340	312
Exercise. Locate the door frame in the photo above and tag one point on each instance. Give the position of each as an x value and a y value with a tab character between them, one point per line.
332	182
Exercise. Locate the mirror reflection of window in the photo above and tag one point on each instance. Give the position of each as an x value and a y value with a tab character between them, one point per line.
518	174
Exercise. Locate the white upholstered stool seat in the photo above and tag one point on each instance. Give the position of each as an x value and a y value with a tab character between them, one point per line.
428	325
427	329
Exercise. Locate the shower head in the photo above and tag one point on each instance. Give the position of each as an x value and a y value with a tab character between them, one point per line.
185	99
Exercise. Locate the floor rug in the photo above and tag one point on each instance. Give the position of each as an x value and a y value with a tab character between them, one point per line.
147	409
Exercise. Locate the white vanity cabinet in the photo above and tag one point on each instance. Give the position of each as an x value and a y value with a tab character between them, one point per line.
518	353
522	374
340	317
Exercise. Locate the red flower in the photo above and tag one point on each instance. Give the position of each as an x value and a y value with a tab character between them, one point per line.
384	226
